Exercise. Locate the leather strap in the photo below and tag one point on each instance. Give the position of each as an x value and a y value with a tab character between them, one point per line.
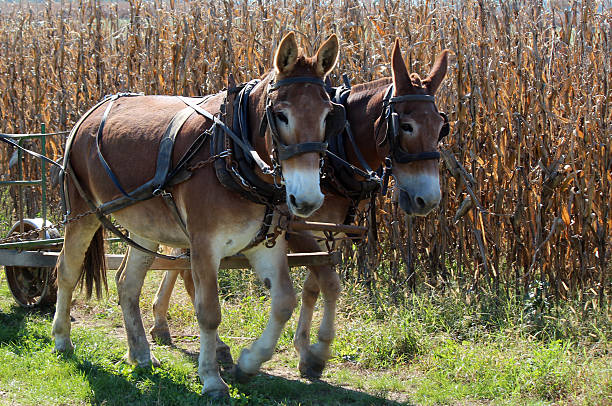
404	158
287	151
298	79
413	97
169	200
105	164
166	147
5	138
265	168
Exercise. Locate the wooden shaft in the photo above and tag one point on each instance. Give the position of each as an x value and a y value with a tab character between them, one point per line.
48	259
334	228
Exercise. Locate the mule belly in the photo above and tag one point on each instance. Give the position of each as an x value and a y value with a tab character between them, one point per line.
153	221
163	229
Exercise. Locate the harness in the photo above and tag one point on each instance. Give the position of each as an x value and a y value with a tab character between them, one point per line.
235	141
236	171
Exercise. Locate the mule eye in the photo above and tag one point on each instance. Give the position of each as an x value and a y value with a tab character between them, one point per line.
282	118
407	127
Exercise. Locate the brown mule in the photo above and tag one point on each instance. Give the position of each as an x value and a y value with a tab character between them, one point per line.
219	222
419	128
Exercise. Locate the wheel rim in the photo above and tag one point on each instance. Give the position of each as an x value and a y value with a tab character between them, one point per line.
31	286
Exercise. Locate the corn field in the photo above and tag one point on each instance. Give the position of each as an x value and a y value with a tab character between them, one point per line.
526	173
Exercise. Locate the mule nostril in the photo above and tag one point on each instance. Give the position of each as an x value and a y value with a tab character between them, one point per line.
292	200
420	202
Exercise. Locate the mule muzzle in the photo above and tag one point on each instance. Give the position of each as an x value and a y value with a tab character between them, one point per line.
418	204
304	207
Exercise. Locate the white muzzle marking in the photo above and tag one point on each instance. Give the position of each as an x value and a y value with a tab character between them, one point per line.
304	195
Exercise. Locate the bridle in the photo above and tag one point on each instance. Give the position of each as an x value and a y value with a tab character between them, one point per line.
281	151
396	153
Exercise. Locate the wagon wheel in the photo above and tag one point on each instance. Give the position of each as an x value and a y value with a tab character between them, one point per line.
32	286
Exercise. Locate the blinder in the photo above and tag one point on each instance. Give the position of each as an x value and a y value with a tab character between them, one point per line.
393	128
445	127
335	121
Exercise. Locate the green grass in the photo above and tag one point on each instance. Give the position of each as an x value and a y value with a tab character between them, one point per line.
436	349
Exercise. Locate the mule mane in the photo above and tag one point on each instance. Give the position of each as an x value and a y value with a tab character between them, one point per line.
364	87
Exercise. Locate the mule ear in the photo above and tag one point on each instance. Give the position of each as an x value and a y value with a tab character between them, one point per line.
286	54
433	80
401	79
327	55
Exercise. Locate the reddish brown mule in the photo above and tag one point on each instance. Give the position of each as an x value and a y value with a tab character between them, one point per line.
420	125
219	222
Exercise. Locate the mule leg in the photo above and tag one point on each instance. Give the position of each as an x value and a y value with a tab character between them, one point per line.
301	340
224	355
77	239
271	267
160	331
129	286
204	265
321	278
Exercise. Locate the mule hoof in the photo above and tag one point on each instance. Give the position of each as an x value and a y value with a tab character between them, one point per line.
161	336
241	376
64	348
145	363
224	357
312	367
217	394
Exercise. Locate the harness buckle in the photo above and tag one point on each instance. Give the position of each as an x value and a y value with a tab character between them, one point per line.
160	192
385	176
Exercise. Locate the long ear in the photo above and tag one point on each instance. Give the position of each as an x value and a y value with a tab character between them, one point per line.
327	55
401	79
433	80
286	54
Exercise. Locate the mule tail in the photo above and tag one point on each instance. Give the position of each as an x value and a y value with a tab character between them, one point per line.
93	274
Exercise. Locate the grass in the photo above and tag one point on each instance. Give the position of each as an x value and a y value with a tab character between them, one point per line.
434	350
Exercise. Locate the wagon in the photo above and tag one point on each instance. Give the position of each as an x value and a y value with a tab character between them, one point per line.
29	258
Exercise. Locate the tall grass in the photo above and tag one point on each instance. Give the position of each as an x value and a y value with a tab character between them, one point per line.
526	175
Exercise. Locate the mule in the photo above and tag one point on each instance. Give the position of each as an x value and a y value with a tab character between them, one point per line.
419	128
218	222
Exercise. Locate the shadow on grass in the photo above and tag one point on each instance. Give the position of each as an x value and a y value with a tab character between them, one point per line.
13	323
291	391
266	389
158	386
136	386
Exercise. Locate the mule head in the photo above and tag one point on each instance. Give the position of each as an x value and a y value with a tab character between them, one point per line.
417	126
301	116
